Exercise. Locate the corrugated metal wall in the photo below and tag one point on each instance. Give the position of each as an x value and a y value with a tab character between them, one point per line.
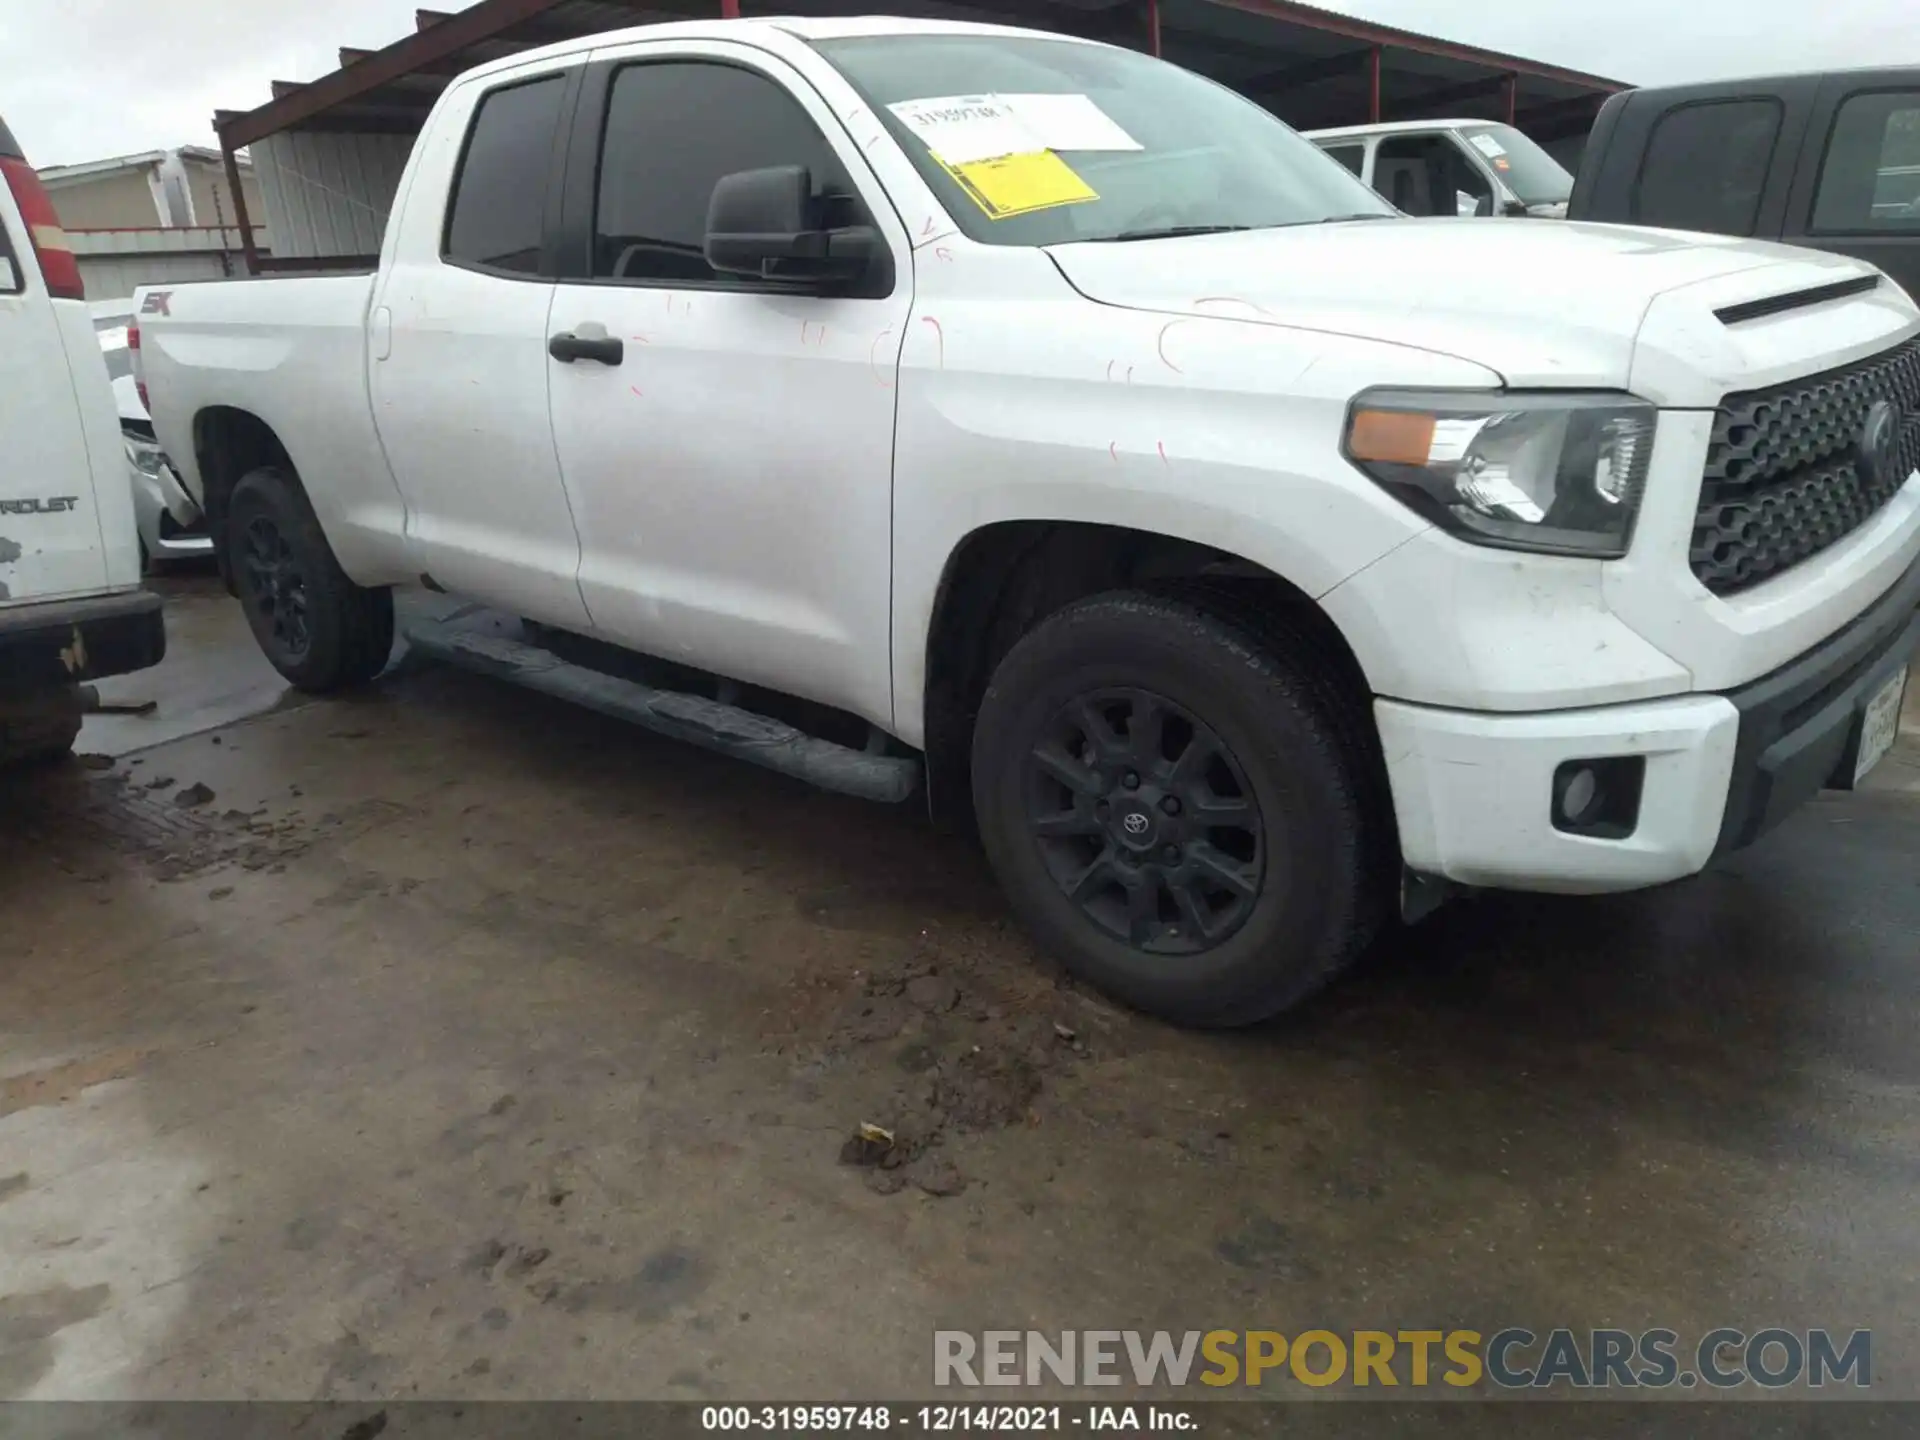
328	194
115	277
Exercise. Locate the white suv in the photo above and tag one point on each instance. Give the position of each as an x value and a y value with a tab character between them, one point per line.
71	606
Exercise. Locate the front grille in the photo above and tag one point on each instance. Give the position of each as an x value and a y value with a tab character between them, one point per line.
1781	482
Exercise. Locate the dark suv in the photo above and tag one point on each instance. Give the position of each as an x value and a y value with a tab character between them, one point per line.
1831	161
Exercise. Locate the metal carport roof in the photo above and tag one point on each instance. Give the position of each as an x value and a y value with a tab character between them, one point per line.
1312	67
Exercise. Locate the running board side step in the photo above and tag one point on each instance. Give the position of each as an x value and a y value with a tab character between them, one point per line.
494	644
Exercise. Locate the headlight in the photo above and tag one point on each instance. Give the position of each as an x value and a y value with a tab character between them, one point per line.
1560	473
144	456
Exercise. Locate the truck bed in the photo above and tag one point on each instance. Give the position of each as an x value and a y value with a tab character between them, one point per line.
292	354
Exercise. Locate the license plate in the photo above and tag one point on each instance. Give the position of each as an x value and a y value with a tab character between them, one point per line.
1879	725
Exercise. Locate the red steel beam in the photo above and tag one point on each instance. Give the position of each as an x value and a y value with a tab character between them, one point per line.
1310	17
1512	95
1373	84
729	9
1153	27
440	40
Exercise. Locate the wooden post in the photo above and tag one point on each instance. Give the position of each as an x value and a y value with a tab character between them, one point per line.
1511	89
1373	85
729	9
248	249
1153	28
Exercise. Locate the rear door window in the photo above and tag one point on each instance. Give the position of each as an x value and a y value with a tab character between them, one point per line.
1354	157
1706	166
1870	175
497	219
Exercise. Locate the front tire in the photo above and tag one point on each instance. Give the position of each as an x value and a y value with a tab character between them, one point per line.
319	629
1176	811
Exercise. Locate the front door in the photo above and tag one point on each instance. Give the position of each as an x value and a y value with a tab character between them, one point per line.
727	442
1427	173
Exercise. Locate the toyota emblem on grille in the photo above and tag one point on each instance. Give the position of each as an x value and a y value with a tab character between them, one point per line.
1880	443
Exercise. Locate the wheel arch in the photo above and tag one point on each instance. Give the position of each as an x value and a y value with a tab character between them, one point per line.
228	443
1004	578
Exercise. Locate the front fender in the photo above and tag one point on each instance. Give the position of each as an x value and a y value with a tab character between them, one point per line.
1224	433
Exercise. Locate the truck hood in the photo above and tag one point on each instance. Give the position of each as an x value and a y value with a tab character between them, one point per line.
1553	304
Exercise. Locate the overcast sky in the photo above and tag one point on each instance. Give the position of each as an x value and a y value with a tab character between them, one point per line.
85	79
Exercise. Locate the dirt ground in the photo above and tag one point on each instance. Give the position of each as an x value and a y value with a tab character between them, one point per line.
449	1042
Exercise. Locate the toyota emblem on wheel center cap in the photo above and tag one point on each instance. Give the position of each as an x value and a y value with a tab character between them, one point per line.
1136	823
1880	443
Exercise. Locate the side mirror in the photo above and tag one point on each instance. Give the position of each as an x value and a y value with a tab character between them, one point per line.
764	223
1516	209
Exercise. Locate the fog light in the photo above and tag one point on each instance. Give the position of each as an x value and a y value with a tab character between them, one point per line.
1583	788
1599	798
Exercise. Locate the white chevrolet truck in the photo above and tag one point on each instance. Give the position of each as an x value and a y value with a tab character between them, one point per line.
1063	432
71	606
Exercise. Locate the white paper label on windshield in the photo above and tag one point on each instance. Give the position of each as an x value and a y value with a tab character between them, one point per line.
1487	146
1068	122
961	129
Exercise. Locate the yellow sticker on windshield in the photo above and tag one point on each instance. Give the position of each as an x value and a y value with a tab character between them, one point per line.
1020	184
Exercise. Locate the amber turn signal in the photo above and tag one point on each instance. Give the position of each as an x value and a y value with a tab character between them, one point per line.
1390	437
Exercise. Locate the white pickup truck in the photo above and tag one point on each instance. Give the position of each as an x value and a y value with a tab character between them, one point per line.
1245	558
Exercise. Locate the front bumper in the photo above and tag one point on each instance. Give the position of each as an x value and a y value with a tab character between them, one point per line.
1797	724
1473	791
62	642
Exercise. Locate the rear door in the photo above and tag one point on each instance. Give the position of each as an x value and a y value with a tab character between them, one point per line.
458	347
50	542
1857	187
1712	158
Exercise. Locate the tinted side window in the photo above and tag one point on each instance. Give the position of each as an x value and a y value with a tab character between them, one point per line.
496	218
673	129
1430	175
1706	165
1870	178
1354	157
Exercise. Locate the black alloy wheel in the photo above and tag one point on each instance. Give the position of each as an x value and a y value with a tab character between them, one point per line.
1146	821
317	627
1181	804
276	587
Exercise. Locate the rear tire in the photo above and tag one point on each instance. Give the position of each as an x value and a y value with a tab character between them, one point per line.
39	740
319	629
1180	814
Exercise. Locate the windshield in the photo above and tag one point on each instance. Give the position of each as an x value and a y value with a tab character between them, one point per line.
1031	141
1534	176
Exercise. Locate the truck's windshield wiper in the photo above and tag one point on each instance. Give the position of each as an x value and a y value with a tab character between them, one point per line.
1363	215
1168	232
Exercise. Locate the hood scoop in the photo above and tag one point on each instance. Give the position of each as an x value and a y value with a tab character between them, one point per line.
1795	300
